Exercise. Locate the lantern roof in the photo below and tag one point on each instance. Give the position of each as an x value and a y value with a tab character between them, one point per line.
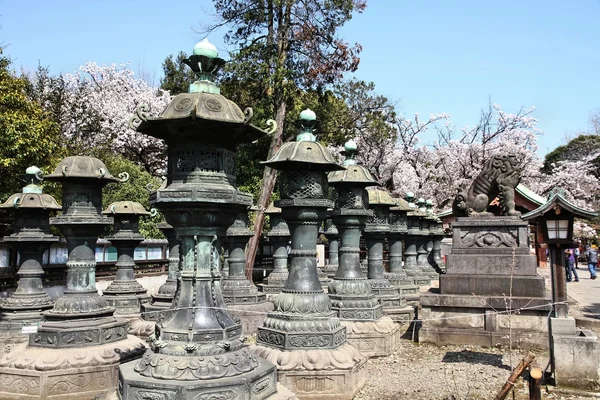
304	153
353	174
83	167
556	202
401	205
125	208
380	197
203	111
32	195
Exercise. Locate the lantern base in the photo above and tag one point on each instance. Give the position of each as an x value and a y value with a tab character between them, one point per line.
126	304
88	332
373	338
158	310
400	315
64	374
335	374
270	289
250	316
12	323
258	384
330	270
139	327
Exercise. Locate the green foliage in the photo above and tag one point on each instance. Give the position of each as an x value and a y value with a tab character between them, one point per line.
28	135
135	189
582	147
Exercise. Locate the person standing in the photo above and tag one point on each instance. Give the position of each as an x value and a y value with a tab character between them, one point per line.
592	259
577	254
570	266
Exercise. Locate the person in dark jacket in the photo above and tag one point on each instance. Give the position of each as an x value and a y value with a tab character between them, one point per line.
570	266
592	259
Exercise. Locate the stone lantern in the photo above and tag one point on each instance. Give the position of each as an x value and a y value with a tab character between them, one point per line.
197	351
398	231
350	291
80	330
162	300
332	235
31	238
425	240
375	232
279	236
303	335
413	236
241	296
436	234
125	293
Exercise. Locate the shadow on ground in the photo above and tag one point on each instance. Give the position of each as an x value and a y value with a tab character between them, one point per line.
591	310
475	357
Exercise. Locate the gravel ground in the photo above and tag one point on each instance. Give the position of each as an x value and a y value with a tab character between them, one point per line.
426	372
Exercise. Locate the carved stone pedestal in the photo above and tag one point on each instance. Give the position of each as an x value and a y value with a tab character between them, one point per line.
250	316
332	235
410	267
279	236
161	301
423	255
64	374
260	382
373	338
242	297
335	374
408	289
139	327
491	286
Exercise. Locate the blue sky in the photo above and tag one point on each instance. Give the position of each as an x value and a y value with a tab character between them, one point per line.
431	56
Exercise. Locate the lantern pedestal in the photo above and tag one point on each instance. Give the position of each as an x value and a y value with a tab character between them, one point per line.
332	235
157	310
351	294
67	373
423	257
277	277
410	266
242	297
490	276
75	353
303	335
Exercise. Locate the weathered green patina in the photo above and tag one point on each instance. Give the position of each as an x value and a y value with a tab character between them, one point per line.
126	294
31	237
197	350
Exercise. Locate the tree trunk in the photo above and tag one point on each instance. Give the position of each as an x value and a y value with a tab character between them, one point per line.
266	190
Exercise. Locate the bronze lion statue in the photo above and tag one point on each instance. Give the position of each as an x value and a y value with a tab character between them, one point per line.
498	178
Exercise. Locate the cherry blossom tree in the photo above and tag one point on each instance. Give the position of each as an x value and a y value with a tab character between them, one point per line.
93	107
436	170
582	230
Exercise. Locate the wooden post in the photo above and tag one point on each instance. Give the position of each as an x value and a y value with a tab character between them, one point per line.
514	375
535	380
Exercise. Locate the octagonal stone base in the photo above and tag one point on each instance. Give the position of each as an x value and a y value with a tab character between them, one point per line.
126	304
64	374
335	374
373	338
139	327
257	384
156	311
270	289
11	325
400	315
251	316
